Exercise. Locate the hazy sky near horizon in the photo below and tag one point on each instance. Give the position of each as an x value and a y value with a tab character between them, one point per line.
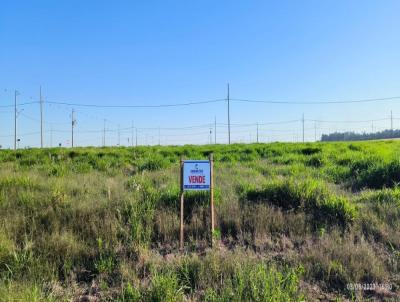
163	52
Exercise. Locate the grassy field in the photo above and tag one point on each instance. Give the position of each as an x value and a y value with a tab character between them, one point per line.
295	222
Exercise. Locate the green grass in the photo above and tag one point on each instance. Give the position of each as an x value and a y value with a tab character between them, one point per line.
104	222
310	195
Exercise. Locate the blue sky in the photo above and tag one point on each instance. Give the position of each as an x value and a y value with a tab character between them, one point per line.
161	52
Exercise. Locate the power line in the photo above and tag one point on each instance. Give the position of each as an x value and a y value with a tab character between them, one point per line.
45	123
266	123
319	102
191	127
20	104
137	106
207	126
21	134
215	101
349	121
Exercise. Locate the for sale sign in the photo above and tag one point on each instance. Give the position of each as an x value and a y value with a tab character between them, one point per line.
196	175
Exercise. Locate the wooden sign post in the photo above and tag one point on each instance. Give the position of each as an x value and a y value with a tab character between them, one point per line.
196	175
182	200
211	159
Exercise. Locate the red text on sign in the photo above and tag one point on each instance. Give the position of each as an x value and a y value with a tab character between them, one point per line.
194	179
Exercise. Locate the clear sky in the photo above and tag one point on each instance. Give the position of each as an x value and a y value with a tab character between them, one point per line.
163	52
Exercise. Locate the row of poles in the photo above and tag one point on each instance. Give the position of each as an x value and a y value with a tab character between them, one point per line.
73	123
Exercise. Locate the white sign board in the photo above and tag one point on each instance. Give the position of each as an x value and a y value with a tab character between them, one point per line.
196	175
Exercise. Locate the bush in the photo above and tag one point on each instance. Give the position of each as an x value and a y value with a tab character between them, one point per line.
384	196
152	163
316	161
310	196
379	175
310	150
164	288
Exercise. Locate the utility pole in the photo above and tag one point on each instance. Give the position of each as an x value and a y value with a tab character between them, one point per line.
303	126
210	135
51	136
215	130
372	127
132	134
136	136
229	120
72	128
104	133
119	135
257	133
41	116
15	119
315	131
391	120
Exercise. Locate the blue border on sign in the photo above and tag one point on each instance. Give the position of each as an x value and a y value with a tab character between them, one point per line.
196	161
197	187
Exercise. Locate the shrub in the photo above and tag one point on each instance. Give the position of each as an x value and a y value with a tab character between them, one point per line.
152	163
384	196
164	288
316	161
310	195
310	150
379	175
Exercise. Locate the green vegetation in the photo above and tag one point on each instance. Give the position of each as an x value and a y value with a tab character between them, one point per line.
353	136
295	222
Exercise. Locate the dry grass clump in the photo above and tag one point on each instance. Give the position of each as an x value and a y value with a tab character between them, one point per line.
338	260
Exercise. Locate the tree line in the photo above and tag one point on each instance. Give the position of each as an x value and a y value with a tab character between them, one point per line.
352	136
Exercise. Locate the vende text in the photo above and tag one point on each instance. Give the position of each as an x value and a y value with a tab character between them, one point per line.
193	179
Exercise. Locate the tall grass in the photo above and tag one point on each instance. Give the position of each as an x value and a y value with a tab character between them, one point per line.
105	222
219	277
309	195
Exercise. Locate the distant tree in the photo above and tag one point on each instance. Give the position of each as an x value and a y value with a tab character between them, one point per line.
352	136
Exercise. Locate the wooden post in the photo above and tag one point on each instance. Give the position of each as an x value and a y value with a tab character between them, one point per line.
211	158
181	242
